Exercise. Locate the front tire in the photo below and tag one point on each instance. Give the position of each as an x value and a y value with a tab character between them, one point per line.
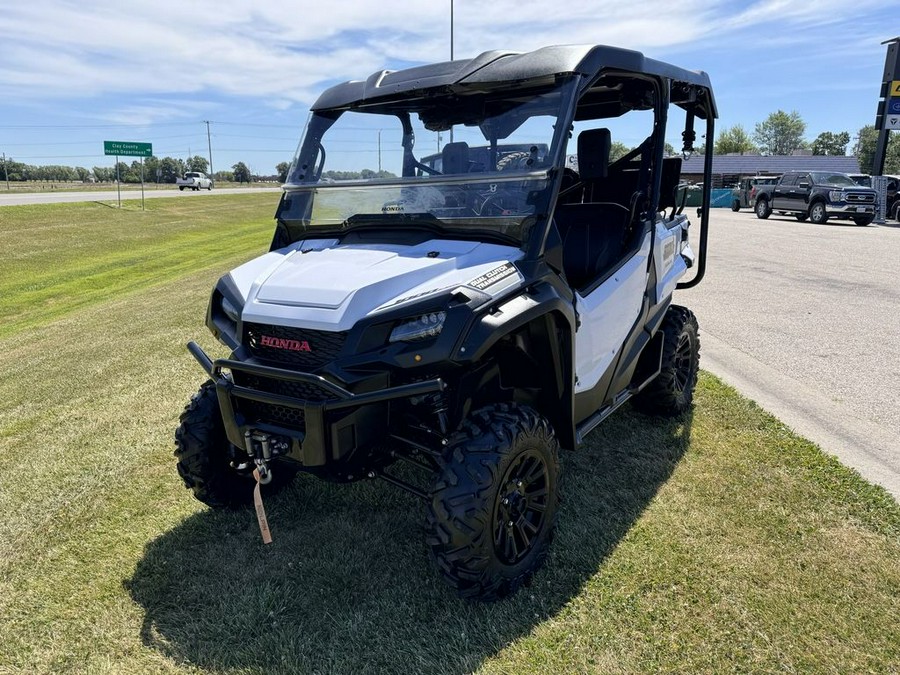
762	208
672	391
494	502
205	455
862	221
181	188
801	217
735	205
818	214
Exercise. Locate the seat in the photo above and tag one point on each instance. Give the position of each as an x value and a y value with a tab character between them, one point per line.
593	236
455	158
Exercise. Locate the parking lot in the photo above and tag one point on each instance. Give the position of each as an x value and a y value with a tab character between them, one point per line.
804	319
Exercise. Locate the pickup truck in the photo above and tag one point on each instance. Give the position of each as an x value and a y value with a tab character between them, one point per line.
817	195
195	180
744	193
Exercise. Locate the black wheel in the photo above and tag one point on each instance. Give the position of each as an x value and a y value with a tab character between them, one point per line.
672	391
181	188
494	502
818	214
736	205
762	208
205	456
863	220
801	216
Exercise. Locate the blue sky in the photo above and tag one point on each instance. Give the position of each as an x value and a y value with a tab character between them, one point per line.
73	74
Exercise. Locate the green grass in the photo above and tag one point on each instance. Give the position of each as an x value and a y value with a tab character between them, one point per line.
719	542
64	257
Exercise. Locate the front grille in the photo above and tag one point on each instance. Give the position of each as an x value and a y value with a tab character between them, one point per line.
860	197
280	415
302	347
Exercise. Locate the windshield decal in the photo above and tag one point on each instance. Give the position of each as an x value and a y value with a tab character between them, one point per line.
494	276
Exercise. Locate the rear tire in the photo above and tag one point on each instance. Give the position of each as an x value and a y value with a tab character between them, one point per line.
672	391
864	220
181	188
817	213
494	502
205	455
762	208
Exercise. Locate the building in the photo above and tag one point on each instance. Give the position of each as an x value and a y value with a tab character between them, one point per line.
728	169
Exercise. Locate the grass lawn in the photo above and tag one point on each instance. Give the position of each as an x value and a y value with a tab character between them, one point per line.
719	542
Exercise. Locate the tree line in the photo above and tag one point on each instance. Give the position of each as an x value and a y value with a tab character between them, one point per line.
168	168
781	133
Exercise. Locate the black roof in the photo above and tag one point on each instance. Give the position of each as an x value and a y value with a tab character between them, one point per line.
757	164
499	67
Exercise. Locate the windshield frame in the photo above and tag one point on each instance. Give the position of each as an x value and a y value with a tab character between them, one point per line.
297	207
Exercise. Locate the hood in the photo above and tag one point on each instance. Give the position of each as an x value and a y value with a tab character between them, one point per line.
324	285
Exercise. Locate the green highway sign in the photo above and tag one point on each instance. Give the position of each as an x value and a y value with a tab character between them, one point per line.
127	149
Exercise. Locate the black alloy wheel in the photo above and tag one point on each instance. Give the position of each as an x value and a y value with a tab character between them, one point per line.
520	508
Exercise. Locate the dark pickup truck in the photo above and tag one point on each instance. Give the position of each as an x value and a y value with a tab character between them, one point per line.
817	195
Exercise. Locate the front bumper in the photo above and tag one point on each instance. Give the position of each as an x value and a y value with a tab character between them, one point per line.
334	423
848	210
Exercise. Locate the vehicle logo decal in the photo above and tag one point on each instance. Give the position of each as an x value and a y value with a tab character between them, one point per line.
490	278
283	343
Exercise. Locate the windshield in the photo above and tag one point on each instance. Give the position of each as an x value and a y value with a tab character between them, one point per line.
836	179
471	162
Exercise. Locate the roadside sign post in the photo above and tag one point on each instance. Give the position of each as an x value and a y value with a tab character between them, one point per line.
888	116
128	149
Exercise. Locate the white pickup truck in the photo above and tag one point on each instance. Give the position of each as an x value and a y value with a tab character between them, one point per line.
195	180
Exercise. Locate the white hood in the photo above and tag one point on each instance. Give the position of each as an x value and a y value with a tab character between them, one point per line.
322	285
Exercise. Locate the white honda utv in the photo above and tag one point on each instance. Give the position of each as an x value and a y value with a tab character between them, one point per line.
469	307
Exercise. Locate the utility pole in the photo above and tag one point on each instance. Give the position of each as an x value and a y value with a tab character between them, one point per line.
379	151
209	147
6	170
451	30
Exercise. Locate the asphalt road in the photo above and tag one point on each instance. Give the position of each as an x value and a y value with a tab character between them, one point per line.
15	198
805	320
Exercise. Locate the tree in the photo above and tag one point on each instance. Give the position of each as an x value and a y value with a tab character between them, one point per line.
171	169
828	143
866	144
241	172
734	140
781	133
282	168
617	150
83	174
224	177
197	163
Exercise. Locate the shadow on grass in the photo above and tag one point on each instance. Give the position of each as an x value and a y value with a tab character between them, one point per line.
347	585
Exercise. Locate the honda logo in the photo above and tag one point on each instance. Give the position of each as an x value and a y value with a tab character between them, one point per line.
283	343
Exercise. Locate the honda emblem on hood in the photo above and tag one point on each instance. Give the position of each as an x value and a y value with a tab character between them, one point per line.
283	343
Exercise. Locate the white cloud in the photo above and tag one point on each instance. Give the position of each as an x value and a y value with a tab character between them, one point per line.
286	51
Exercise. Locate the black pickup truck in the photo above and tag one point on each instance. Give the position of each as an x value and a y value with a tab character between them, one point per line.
817	195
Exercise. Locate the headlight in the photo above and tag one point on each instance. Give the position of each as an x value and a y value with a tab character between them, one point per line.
836	196
420	328
230	310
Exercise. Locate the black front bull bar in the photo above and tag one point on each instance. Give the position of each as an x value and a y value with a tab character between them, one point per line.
310	446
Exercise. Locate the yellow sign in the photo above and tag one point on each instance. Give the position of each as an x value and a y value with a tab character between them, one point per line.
895	89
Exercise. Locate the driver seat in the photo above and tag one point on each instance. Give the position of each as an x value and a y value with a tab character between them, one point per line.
455	158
